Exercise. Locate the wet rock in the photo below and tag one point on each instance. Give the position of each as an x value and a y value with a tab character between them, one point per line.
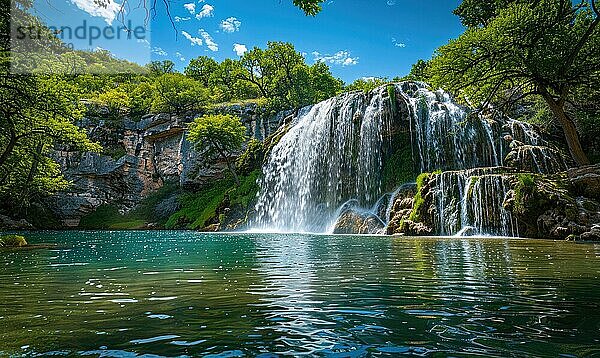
353	222
592	235
412	228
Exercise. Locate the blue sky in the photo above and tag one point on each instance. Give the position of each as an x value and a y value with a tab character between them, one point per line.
357	38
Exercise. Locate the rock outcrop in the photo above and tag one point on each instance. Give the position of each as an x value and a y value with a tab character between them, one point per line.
139	158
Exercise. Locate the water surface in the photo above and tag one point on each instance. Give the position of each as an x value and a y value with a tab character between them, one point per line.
115	294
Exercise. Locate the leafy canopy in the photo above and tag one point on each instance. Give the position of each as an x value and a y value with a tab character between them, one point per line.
221	132
517	49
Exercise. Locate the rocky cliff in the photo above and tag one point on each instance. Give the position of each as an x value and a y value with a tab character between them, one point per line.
139	158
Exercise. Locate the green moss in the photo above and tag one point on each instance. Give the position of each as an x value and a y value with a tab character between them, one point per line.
418	200
108	216
474	181
398	168
12	241
246	192
391	90
524	188
198	209
116	152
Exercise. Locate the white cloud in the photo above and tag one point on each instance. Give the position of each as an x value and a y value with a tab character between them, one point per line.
180	56
145	42
191	7
240	49
342	58
206	11
108	13
398	44
213	46
180	19
231	24
194	40
159	51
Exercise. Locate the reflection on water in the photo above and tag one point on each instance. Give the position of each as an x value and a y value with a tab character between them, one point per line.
116	294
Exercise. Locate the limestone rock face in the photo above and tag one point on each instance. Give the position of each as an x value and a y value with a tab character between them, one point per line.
586	180
139	158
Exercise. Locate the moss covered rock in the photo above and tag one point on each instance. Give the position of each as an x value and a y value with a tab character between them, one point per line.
12	241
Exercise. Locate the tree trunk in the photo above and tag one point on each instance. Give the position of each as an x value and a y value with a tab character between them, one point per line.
569	130
9	148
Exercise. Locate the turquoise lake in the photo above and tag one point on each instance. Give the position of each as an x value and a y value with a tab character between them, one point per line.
169	293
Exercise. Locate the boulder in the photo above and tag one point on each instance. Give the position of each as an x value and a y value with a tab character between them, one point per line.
354	222
12	241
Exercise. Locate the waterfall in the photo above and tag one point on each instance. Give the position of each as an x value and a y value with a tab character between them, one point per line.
333	153
333	156
471	202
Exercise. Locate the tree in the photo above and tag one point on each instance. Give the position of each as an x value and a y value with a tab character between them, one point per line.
545	48
158	68
418	72
281	75
36	114
175	93
201	69
366	84
116	100
310	7
220	133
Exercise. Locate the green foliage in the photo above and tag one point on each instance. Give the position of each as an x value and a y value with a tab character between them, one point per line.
43	114
310	7
115	100
201	207
109	217
280	74
159	68
244	194
12	241
201	69
252	158
418	72
177	94
399	169
219	132
197	208
524	188
366	84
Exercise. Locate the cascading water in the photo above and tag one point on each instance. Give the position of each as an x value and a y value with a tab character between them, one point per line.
471	202
333	153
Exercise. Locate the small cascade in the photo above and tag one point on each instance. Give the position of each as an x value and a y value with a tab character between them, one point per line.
470	202
332	154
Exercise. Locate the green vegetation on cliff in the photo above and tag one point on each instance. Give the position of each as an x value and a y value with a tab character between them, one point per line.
201	208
